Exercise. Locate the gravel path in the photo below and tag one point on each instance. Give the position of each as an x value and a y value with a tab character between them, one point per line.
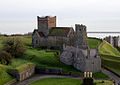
112	76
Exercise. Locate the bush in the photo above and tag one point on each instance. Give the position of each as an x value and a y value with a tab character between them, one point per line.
14	46
5	57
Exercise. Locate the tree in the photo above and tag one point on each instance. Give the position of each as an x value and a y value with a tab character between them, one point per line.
14	46
5	57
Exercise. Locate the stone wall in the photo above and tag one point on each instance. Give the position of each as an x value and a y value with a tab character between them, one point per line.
113	40
23	74
57	71
81	59
26	74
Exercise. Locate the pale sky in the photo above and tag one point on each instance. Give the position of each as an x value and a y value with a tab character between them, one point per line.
19	16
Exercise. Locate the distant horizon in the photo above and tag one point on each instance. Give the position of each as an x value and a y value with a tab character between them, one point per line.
90	34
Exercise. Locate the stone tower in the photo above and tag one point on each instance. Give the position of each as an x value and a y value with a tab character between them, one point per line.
81	36
45	23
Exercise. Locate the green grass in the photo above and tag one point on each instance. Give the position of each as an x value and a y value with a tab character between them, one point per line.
2	38
94	42
27	40
4	76
57	81
112	64
110	57
24	67
100	75
20	64
106	82
66	81
46	59
107	49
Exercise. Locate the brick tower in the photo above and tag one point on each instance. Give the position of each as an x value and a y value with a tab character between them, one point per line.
45	23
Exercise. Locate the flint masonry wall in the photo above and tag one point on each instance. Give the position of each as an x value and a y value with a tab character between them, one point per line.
83	60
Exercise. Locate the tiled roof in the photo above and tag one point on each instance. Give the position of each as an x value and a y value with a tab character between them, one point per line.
59	31
40	33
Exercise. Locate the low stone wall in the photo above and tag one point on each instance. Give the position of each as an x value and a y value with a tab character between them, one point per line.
26	74
23	74
11	82
57	72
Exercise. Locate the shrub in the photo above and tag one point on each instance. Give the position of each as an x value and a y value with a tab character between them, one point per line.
5	57
14	46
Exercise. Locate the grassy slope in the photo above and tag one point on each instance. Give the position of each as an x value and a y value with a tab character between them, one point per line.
94	42
110	56
45	59
4	76
66	81
107	49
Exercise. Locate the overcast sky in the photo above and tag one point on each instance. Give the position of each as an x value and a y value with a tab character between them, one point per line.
19	16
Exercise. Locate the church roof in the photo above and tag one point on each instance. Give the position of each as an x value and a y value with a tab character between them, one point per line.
40	33
59	31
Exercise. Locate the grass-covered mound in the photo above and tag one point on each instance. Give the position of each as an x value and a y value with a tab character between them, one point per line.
67	81
110	57
107	49
4	76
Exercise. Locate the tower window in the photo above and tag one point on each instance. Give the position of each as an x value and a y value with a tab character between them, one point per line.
36	41
79	29
95	56
87	57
